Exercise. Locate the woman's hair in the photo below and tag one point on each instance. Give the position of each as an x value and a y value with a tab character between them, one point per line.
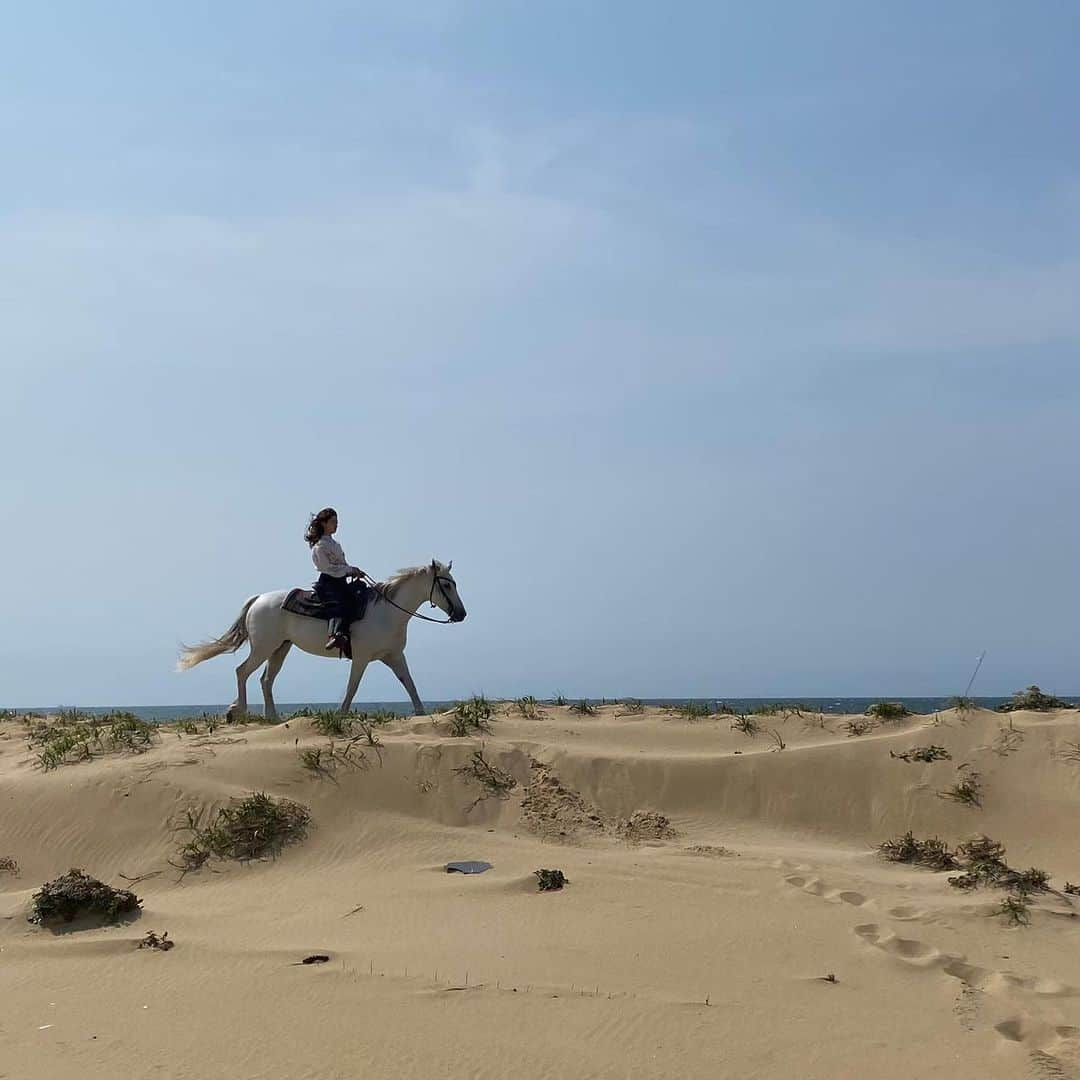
317	525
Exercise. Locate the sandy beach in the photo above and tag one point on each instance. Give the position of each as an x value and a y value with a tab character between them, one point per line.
727	913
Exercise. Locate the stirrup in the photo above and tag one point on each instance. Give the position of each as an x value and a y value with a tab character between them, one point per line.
342	643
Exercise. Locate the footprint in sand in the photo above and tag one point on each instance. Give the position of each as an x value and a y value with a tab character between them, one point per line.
816	887
923	955
785	864
906	912
1050	1046
916	952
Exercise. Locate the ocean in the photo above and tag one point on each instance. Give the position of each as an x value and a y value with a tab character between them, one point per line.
847	705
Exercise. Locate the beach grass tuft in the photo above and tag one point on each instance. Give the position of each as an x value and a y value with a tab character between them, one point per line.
962	704
967	790
747	724
889	710
469	717
324	760
529	707
74	736
257	826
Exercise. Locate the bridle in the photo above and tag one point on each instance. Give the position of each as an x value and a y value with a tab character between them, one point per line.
437	579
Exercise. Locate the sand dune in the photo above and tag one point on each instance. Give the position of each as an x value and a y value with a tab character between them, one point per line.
696	954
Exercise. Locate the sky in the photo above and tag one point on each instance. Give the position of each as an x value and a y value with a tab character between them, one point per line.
727	349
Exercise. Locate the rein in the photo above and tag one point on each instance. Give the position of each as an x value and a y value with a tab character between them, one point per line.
436	580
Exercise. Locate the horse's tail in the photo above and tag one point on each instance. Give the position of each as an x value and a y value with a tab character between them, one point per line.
230	641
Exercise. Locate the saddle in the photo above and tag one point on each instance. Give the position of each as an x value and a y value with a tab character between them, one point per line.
307	602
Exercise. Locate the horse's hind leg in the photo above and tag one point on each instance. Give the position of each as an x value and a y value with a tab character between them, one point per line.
273	666
243	672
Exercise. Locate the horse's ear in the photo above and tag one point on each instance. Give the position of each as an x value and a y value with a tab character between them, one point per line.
450	565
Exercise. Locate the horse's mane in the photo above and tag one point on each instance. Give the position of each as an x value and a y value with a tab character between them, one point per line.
397	579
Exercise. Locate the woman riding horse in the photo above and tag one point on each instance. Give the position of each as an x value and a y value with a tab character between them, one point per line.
333	587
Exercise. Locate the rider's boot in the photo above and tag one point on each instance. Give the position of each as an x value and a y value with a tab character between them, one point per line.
339	638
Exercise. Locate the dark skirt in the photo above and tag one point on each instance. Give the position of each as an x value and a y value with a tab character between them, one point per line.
336	594
340	599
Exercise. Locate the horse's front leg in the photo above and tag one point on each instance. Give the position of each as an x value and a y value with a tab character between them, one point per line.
356	673
399	666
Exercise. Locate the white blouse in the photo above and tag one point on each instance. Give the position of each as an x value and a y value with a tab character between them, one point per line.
329	558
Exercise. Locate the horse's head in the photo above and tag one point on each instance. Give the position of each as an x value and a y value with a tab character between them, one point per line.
444	591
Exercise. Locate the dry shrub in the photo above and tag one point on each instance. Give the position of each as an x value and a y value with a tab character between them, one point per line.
550	880
967	790
1015	909
931	853
496	782
583	708
77	893
983	863
713	850
160	941
858	725
1033	700
924	754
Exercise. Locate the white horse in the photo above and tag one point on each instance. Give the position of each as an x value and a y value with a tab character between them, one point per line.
379	635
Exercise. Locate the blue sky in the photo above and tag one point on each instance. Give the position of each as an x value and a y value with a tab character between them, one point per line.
727	349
